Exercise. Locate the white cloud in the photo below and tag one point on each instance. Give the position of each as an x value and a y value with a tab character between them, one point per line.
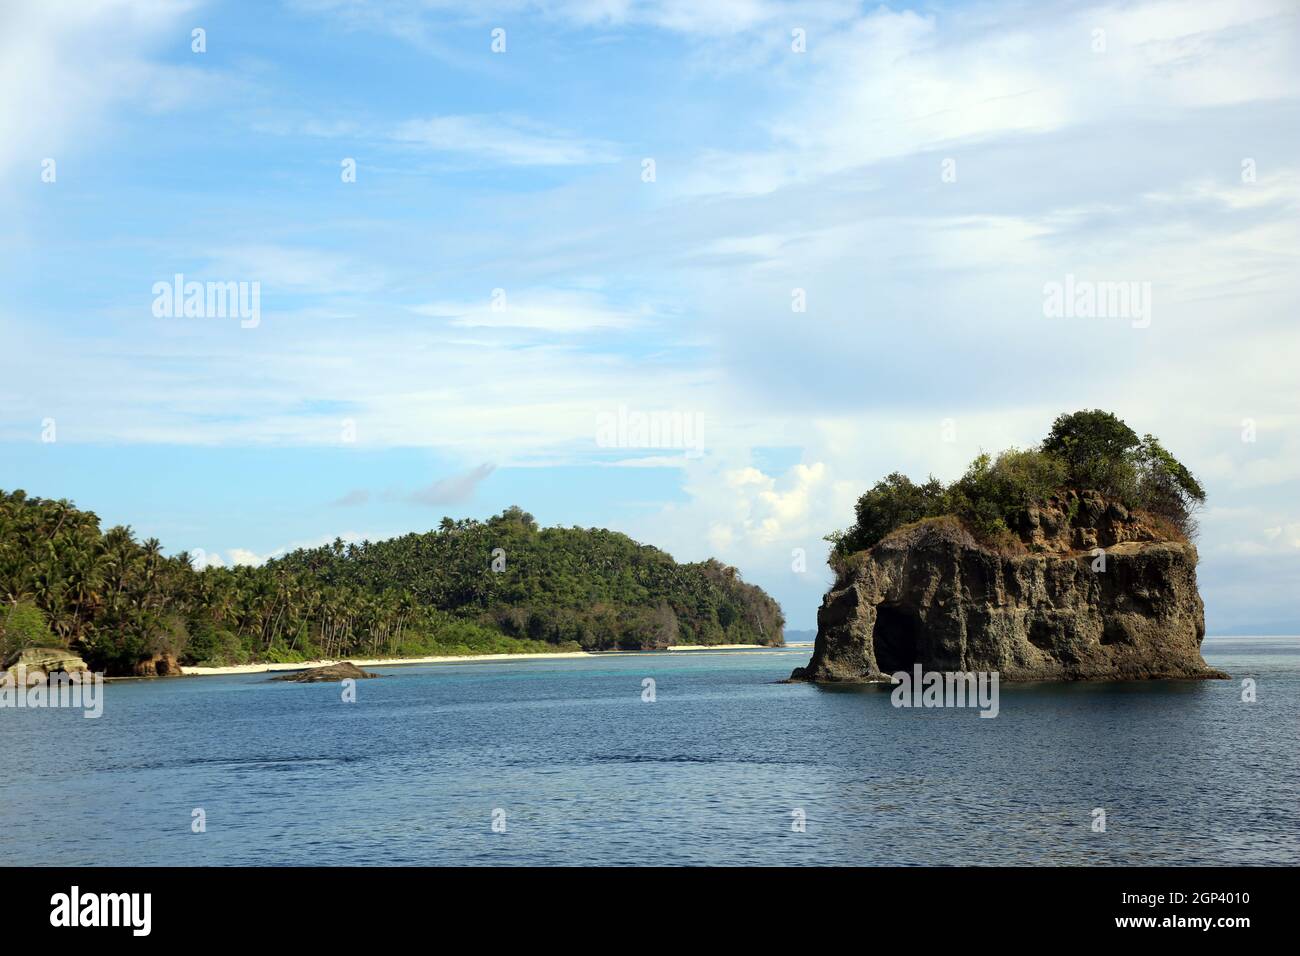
411	19
255	559
649	461
750	513
894	83
290	268
63	66
509	140
206	560
1284	536
537	310
244	556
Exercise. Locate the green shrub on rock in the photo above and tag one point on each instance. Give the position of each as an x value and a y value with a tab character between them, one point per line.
23	625
1085	451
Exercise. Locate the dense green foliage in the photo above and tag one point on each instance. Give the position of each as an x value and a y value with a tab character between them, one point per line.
890	504
1088	450
1104	454
597	588
1094	446
118	601
23	625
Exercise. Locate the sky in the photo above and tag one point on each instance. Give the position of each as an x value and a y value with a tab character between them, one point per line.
488	241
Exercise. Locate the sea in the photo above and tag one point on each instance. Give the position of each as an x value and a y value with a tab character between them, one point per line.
702	758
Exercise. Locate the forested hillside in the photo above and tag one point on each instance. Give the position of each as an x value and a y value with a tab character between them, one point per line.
499	585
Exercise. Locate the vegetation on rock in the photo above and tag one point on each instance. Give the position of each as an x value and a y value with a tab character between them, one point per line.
22	625
1085	451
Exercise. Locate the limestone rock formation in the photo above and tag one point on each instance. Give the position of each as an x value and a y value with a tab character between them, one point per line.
39	662
330	672
159	665
1041	608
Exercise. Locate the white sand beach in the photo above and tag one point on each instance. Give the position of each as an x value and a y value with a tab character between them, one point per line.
446	659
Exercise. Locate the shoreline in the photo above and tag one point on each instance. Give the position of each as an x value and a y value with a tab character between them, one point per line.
263	668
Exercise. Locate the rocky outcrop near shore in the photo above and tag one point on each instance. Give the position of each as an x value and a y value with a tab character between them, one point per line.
158	665
328	673
1046	606
38	663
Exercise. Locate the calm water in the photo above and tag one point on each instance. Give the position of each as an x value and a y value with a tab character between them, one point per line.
709	773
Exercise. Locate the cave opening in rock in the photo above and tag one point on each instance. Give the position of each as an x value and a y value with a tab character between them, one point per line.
896	638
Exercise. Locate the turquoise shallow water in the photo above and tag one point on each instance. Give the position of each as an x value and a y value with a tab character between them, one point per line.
586	772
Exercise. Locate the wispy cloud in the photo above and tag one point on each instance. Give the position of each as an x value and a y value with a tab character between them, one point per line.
537	310
452	490
358	496
294	268
64	67
716	19
508	140
455	489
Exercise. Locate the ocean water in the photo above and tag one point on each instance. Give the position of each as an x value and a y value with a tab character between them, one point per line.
582	770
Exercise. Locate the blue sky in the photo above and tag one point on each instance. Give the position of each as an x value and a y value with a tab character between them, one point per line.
442	335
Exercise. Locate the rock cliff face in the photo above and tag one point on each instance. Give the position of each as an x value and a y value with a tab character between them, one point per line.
157	665
930	594
39	662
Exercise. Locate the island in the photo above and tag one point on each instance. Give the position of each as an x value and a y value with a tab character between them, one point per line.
1069	561
467	587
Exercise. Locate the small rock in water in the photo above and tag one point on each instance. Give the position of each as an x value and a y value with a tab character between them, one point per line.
330	672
